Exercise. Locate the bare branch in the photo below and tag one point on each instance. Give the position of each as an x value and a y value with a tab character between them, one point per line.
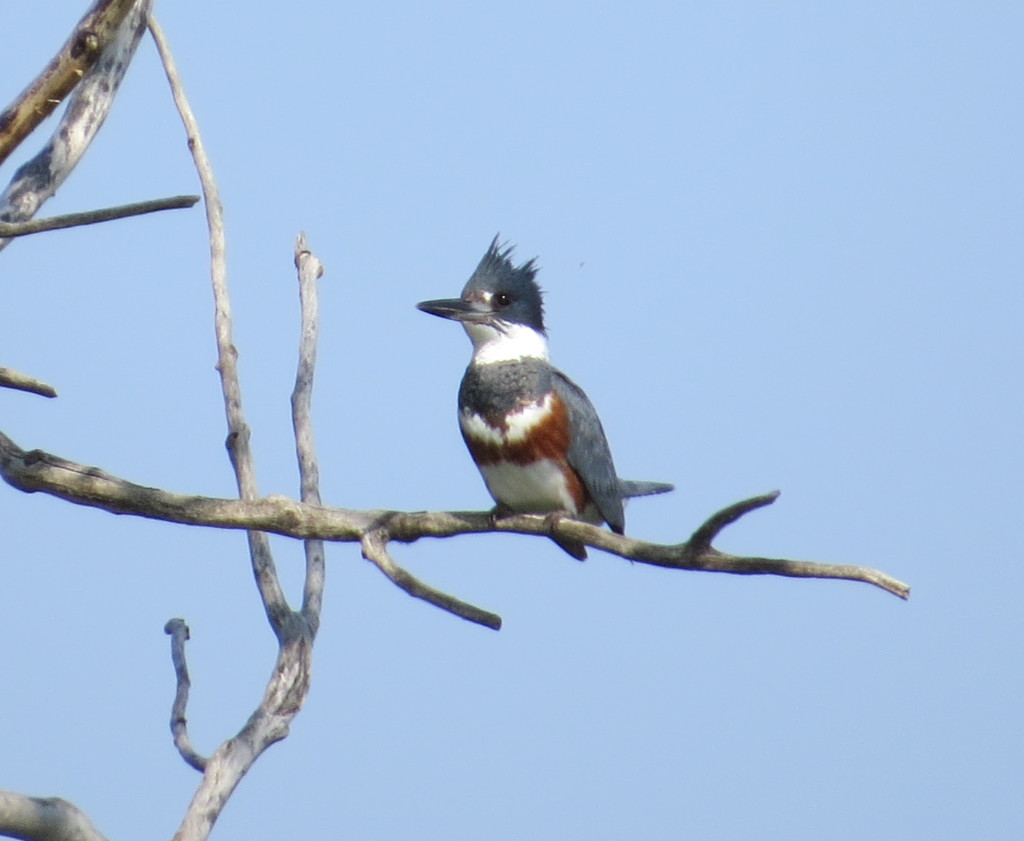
82	49
178	631
264	571
375	549
44	819
310	270
287	689
10	378
38	179
39	471
289	682
91	217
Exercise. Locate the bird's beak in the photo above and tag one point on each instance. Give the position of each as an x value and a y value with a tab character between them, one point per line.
453	308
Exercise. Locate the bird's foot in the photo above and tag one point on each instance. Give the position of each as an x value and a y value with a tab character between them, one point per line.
553	519
500	512
572	547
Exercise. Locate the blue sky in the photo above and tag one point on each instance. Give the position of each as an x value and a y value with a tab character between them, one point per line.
781	245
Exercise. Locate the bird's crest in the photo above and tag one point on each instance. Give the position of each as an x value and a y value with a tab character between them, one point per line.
496	273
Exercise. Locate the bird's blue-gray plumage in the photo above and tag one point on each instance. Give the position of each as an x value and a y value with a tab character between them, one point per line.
589	453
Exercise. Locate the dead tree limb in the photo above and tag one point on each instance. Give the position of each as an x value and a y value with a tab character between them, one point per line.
288	686
37	180
39	471
80	52
289	682
274	602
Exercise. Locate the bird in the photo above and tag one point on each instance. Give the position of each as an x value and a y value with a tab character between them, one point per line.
532	432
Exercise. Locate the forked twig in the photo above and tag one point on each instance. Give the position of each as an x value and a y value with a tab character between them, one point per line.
700	540
288	685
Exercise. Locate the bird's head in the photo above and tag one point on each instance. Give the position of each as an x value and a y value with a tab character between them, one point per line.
499	298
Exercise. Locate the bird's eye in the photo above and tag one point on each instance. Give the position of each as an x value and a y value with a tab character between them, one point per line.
503	299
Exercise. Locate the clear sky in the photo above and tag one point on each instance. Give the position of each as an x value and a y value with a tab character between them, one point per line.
782	248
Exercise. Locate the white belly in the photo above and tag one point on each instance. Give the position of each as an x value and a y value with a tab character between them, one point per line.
535	488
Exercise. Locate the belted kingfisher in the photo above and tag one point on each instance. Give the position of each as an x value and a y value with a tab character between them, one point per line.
532	432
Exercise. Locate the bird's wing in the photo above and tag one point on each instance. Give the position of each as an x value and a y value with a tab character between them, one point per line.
589	455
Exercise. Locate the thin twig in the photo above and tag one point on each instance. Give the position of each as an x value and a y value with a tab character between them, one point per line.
91	217
38	179
79	53
9	378
178	631
264	571
309	270
375	549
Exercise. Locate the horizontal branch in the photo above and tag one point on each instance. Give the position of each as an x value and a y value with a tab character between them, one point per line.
39	471
91	217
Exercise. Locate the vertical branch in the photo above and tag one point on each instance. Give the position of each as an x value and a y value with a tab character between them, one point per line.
38	179
310	270
289	682
264	571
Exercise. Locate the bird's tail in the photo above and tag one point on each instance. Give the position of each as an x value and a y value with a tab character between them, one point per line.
630	488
